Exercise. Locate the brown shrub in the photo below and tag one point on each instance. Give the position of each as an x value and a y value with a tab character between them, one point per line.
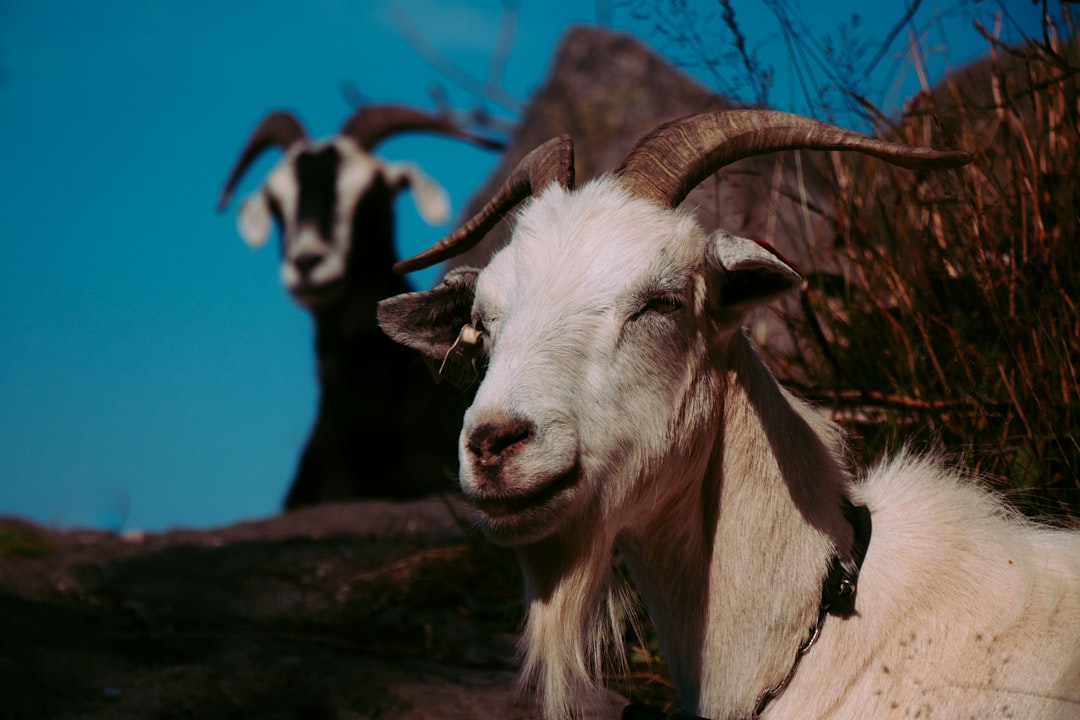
958	316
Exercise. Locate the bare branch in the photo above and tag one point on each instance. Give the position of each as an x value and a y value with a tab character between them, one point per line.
504	43
474	86
887	43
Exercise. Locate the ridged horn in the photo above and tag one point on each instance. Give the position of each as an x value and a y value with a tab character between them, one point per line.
280	128
669	162
551	162
371	124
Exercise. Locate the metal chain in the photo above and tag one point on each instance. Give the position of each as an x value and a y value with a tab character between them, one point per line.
772	693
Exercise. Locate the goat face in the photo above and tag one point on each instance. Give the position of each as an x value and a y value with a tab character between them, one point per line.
314	195
333	200
598	322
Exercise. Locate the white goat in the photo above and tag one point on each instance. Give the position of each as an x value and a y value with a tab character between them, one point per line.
333	202
623	407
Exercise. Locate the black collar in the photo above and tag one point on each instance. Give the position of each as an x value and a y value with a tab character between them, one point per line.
838	592
837	598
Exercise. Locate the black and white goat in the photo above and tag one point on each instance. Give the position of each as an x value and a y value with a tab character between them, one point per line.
622	406
381	430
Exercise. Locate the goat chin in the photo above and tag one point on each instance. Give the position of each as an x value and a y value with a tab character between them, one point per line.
317	297
574	625
506	523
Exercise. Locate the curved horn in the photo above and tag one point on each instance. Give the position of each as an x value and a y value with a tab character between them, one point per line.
675	157
551	162
280	128
369	125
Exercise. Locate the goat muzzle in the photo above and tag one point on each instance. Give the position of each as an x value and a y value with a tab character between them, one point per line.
493	443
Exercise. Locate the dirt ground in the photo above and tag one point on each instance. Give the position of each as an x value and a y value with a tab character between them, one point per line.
360	610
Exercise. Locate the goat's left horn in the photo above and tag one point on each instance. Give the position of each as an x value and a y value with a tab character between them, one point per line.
370	125
280	128
551	162
674	158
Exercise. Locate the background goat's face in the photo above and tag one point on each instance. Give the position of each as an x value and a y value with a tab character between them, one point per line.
598	321
323	198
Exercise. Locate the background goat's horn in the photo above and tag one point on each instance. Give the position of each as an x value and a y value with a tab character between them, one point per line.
369	125
551	162
279	128
674	158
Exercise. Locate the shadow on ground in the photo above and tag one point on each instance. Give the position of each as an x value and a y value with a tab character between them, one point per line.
359	610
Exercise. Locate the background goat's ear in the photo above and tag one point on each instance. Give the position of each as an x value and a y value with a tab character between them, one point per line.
430	320
254	220
745	273
430	198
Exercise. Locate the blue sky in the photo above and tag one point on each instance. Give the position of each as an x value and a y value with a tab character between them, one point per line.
153	373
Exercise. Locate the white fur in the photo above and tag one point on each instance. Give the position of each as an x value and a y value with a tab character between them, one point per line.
659	432
965	610
254	220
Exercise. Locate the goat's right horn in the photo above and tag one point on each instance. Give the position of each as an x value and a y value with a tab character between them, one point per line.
371	124
280	128
551	162
675	157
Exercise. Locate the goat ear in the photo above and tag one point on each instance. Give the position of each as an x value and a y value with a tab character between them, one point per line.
745	273
254	220
430	198
431	320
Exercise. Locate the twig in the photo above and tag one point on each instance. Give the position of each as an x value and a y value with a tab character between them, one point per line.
504	43
1018	52
752	71
884	49
467	82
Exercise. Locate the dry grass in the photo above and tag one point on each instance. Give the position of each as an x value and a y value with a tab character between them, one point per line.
955	325
958	319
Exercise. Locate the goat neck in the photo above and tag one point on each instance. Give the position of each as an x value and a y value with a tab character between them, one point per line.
743	587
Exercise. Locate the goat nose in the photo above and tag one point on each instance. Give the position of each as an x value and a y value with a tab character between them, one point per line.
306	262
494	442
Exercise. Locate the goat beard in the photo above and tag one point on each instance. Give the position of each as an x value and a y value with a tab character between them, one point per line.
576	614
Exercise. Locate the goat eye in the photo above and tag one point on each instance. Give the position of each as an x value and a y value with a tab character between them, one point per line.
663	304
